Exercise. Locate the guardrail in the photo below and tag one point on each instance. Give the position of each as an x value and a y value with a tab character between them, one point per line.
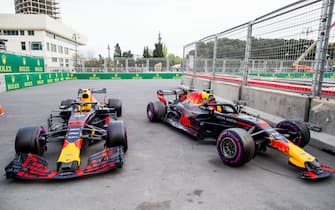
267	84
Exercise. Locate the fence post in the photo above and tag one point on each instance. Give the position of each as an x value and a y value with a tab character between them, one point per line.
84	67
147	63
167	64
194	65
127	70
214	62
247	55
322	46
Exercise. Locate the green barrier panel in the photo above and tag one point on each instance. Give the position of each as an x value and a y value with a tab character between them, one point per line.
17	81
24	80
329	75
11	63
97	76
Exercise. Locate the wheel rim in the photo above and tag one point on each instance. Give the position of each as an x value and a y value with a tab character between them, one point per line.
150	112
228	148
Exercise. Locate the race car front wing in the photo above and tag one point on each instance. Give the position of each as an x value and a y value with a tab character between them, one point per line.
31	166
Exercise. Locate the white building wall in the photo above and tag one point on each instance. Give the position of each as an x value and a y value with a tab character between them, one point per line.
48	31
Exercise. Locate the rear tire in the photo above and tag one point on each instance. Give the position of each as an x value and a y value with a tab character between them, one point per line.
155	111
235	146
116	104
298	131
117	135
28	140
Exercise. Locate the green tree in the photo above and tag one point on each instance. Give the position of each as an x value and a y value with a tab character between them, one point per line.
92	62
158	51
127	54
146	52
117	50
174	59
101	59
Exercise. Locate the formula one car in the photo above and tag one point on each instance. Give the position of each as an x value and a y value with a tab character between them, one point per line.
77	124
238	135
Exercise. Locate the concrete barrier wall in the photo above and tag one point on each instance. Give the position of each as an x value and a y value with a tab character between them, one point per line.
228	91
186	81
283	104
201	84
322	113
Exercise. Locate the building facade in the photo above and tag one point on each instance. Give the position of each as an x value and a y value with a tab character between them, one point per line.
48	7
42	36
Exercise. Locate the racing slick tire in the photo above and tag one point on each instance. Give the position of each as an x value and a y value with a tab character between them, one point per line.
155	111
116	104
28	140
235	146
301	134
117	135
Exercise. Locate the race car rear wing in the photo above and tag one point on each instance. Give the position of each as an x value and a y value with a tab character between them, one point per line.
102	90
180	94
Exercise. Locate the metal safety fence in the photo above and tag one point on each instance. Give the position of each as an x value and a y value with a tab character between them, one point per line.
116	64
297	38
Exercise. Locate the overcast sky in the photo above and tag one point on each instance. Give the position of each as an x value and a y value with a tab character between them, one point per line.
135	24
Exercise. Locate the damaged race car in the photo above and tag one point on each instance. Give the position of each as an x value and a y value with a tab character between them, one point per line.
77	124
238	135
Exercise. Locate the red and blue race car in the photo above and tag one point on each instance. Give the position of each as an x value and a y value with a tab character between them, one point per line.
77	124
238	135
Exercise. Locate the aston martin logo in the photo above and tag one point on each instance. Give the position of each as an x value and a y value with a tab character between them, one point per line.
3	59
24	61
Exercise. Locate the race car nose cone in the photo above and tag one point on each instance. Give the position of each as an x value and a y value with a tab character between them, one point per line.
68	166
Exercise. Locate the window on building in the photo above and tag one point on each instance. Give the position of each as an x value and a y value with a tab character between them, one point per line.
54	59
61	60
48	46
60	49
11	32
31	33
22	32
23	45
36	46
53	48
66	50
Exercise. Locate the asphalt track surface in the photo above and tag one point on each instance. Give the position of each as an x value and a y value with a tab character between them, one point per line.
164	168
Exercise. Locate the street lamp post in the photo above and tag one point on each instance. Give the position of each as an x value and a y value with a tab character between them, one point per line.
75	37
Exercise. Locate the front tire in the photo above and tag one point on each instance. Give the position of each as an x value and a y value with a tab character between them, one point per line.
28	140
116	104
117	135
155	111
298	132
235	146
